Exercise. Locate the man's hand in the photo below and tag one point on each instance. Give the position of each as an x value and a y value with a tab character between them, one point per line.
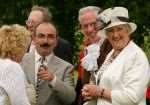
45	74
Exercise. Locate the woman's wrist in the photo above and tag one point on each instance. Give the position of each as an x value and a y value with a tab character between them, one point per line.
100	92
103	93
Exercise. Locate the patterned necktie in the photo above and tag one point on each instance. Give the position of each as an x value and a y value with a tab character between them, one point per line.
42	59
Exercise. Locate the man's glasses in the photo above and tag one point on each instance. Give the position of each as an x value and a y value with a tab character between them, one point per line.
31	22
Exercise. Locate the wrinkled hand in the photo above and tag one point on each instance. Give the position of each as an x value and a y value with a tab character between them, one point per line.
45	74
90	91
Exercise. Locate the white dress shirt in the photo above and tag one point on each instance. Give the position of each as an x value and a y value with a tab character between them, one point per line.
12	83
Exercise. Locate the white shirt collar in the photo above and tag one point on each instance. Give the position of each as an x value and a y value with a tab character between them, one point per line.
38	56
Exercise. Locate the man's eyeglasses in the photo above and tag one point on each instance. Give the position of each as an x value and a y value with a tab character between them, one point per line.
31	22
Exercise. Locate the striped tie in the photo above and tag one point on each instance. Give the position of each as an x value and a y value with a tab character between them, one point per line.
42	59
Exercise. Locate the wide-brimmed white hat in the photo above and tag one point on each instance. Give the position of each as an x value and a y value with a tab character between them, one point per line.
119	15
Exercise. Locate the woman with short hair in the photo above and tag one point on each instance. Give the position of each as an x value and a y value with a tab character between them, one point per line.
14	41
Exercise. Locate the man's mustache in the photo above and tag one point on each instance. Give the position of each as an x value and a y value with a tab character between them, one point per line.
45	45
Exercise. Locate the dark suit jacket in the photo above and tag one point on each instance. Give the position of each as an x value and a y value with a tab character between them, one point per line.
64	50
63	92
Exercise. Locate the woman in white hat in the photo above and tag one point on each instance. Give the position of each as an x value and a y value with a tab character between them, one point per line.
123	77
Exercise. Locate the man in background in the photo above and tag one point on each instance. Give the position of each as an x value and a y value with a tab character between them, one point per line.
90	27
87	18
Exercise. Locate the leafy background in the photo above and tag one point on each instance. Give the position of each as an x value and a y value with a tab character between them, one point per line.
65	14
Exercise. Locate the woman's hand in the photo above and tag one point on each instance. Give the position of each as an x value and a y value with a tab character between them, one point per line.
91	91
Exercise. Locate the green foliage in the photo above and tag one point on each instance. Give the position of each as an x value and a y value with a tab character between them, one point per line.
146	45
65	14
138	12
78	37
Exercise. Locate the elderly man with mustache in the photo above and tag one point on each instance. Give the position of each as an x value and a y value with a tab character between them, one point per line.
51	76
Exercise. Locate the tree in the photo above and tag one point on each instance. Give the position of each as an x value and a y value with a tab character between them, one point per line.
65	14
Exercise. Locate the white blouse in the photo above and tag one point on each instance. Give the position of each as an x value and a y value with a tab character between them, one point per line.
12	83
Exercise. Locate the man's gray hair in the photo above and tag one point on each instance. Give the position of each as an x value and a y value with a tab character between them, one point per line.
47	15
84	10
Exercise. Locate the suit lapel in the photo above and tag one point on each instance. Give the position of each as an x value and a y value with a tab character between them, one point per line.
31	68
52	64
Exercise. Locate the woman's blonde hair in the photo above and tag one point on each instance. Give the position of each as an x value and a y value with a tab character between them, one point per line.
14	40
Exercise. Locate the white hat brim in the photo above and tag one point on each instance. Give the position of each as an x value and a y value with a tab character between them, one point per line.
132	25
